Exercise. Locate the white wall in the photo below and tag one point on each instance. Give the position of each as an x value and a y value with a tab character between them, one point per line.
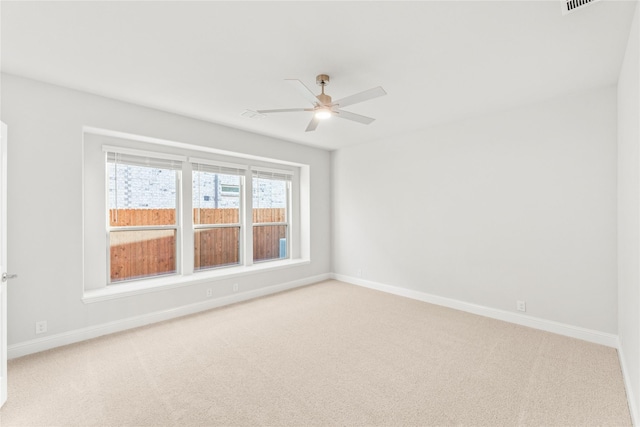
517	205
45	204
629	214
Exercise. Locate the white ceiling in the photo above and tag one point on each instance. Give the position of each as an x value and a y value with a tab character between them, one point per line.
438	60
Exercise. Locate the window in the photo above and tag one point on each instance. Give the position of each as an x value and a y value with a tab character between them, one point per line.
160	214
143	221
217	219
271	195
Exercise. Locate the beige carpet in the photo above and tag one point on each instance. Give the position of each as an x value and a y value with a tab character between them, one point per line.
326	354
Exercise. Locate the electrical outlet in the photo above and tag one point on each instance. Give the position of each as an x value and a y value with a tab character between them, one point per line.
521	306
41	327
359	272
209	293
235	287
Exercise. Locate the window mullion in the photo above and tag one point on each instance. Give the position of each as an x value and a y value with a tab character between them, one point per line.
247	253
187	219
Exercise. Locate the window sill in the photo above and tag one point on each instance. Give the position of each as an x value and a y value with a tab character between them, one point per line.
169	282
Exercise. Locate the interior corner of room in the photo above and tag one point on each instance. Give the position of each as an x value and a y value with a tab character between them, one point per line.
523	208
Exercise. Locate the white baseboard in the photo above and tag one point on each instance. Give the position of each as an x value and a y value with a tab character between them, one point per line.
70	337
590	335
77	335
633	407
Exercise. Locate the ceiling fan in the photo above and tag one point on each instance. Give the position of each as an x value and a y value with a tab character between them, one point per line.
324	108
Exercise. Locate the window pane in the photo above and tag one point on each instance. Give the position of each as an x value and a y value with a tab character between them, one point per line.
269	242
141	195
216	247
269	215
142	253
216	198
269	193
269	200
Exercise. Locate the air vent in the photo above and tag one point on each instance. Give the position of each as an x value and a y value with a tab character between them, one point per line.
569	6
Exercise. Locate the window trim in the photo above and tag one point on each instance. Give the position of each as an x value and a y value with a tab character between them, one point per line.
95	289
162	283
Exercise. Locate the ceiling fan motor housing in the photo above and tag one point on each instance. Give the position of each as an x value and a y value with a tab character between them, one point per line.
325	99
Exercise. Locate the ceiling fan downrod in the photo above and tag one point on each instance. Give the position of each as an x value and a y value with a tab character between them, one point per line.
322	80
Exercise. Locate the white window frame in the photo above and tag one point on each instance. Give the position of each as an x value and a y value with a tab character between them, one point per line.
94	285
120	151
282	175
231	169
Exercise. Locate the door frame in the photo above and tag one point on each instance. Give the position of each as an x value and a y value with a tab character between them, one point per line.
3	263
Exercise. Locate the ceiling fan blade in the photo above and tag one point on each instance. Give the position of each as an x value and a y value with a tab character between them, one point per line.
305	91
313	124
353	116
284	110
360	97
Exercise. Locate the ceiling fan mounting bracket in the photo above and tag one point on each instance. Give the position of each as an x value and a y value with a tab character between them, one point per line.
322	80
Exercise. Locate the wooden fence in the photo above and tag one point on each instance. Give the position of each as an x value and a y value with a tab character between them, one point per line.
153	252
133	217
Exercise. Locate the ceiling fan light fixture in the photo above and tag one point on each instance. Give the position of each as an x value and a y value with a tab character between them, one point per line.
323	114
324	107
